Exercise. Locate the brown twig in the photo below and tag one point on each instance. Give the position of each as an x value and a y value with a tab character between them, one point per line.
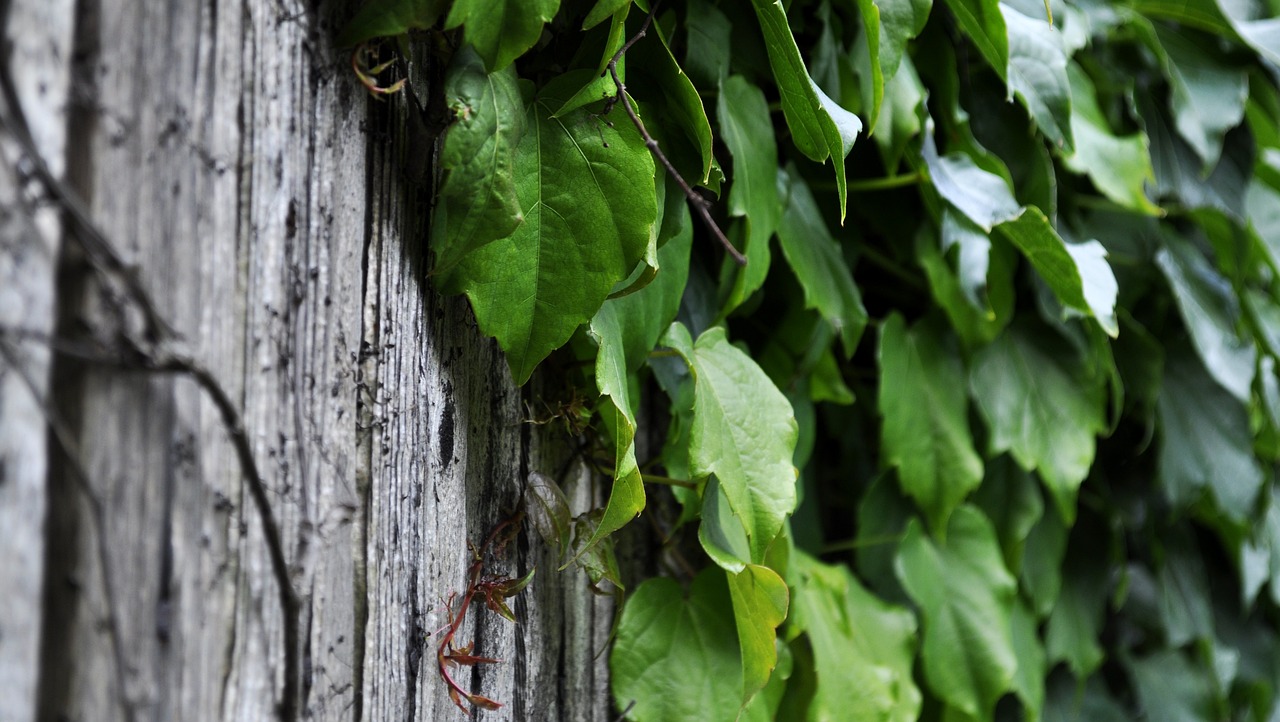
695	199
154	349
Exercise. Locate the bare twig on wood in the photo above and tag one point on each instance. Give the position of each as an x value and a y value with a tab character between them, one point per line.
695	198
157	348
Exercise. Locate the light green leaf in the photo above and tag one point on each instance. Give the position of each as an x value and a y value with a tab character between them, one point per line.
1206	442
1171	689
677	658
532	289
501	30
1028	682
1040	406
1119	166
926	426
1210	310
1260	30
1038	75
389	18
747	130
743	432
863	648
819	265
477	202
760	600
966	597
1078	274
602	10
820	128
984	197
898	121
983	22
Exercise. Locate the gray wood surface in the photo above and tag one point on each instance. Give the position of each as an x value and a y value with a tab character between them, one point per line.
272	211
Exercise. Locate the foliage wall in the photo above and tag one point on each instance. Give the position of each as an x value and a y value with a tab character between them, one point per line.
985	427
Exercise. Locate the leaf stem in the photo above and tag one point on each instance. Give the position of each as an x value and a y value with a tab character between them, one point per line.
877	184
695	199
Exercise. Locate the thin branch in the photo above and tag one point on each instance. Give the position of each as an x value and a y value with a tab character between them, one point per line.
155	352
695	199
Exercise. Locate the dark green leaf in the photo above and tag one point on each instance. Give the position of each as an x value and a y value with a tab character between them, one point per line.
983	22
388	18
747	131
1171	689
501	30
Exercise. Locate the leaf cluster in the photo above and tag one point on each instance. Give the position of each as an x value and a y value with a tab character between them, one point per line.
995	435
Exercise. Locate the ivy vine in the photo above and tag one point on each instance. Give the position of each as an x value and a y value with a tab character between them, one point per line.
995	435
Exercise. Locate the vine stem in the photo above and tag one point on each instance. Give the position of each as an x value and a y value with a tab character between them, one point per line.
695	199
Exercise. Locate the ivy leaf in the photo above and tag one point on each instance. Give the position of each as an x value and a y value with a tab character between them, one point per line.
820	128
1038	75
1180	172
675	657
926	427
889	25
1028	681
1077	617
1206	442
747	130
819	265
501	30
477	202
983	22
1011	499
1119	166
1208	93
1210	310
966	597
760	601
1171	688
982	196
1078	274
1041	408
389	18
744	432
532	289
863	647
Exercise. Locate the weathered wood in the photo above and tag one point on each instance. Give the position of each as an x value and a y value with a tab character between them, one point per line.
271	210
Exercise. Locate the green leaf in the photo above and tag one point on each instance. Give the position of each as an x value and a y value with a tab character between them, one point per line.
743	432
677	658
1208	92
1078	274
898	121
389	18
760	601
966	597
983	22
1028	682
863	648
602	10
926	427
1119	166
1011	499
1210	310
1041	407
889	24
1171	689
477	202
707	45
1206	442
501	30
1038	75
676	115
1261	32
532	289
747	130
1040	574
819	265
820	128
984	197
1180	172
1185	607
1077	618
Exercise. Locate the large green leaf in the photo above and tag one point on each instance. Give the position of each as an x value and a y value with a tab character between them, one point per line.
863	648
675	111
744	432
389	18
1171	688
532	289
477	202
1208	92
1041	406
1259	28
1038	75
1119	166
966	597
501	30
926	425
1205	446
747	130
1210	311
677	658
1180	173
820	128
1028	681
819	265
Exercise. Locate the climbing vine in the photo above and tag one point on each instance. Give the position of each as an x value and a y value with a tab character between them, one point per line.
966	317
